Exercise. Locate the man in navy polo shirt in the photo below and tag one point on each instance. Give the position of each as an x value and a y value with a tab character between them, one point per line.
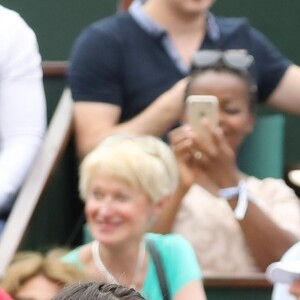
128	72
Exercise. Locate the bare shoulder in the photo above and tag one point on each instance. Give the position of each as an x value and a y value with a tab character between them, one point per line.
192	290
90	268
85	254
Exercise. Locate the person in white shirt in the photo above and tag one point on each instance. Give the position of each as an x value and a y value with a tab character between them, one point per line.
22	105
285	272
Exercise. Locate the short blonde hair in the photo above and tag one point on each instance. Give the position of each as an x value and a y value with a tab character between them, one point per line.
27	264
142	161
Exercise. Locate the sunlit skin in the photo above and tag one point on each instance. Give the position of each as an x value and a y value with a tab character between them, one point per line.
295	289
37	288
235	117
116	212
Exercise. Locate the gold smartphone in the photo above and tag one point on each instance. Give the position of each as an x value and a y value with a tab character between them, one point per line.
199	107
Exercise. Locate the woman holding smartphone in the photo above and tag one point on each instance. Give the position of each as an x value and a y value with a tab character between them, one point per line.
236	223
125	183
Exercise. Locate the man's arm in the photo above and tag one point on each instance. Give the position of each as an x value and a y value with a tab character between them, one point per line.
94	121
22	107
286	96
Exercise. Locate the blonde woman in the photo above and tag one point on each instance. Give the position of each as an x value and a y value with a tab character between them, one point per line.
125	183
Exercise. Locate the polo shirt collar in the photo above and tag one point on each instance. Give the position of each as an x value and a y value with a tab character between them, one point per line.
146	23
143	20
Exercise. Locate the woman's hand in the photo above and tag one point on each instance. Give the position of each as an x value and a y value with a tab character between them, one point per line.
218	160
181	140
209	162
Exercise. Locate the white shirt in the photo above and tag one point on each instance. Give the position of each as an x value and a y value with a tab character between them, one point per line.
22	103
281	290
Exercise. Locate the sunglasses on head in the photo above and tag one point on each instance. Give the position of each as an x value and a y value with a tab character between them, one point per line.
236	59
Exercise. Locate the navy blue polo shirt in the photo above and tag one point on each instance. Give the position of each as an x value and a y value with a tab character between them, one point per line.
123	61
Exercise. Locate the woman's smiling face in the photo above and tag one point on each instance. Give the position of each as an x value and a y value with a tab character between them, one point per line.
116	212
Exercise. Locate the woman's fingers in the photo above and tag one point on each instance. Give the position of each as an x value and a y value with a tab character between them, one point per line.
181	143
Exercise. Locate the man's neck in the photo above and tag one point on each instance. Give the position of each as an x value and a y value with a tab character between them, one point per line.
174	21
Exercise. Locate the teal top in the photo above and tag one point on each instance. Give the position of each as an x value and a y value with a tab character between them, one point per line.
178	258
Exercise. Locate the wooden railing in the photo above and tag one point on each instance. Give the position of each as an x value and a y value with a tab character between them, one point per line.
54	68
124	4
237	287
54	144
257	280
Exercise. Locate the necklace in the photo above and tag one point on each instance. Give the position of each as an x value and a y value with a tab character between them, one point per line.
108	276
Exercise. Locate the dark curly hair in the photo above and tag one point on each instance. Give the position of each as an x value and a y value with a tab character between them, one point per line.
98	291
221	67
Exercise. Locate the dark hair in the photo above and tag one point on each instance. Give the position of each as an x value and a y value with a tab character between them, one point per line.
222	67
98	291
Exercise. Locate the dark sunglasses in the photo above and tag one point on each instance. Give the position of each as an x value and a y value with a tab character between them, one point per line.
236	59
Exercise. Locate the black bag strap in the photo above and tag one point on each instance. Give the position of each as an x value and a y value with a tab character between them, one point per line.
159	269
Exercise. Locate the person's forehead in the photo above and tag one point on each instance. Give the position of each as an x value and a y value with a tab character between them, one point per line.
37	288
209	77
